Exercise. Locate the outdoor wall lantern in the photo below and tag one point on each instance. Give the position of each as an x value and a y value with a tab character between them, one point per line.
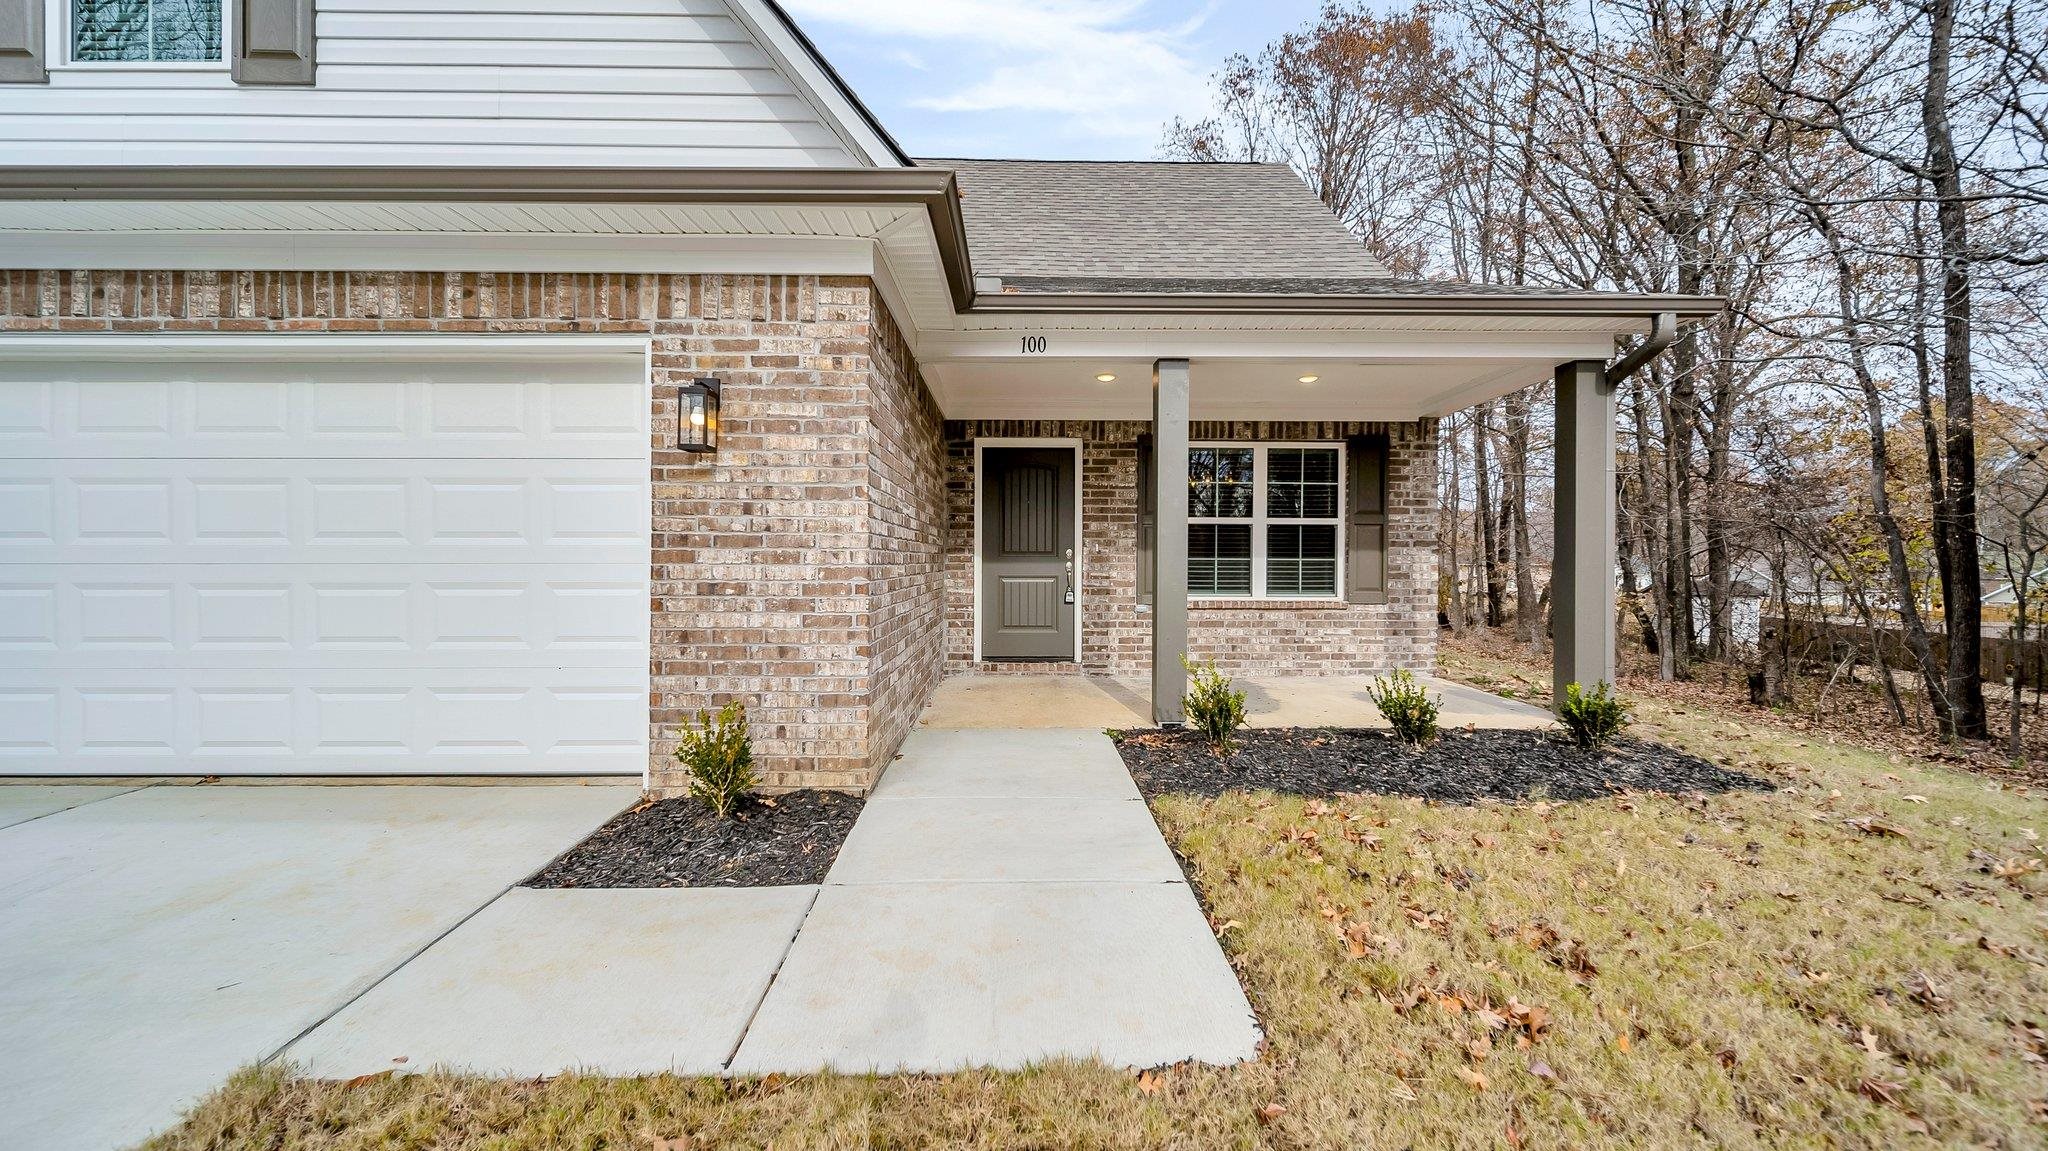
697	416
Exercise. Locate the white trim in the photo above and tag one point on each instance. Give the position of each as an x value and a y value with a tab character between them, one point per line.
57	43
1080	544
1259	519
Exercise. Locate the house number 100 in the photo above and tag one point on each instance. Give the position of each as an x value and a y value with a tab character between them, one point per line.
1032	345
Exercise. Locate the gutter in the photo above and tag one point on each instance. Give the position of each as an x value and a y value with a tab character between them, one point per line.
1656	308
933	189
1663	331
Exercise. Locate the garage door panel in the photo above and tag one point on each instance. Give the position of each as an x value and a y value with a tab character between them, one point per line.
289	616
339	722
320	510
256	409
318	566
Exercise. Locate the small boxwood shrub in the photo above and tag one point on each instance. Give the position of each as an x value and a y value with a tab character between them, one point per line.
1215	709
719	756
1594	717
1406	706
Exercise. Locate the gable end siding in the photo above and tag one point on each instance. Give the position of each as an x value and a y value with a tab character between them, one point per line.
669	83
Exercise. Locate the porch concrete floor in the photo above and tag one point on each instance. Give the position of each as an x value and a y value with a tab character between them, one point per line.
1004	899
1071	699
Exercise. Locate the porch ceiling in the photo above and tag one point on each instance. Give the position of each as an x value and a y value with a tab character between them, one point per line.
1261	388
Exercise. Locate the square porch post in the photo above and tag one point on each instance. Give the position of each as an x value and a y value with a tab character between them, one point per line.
1170	538
1582	580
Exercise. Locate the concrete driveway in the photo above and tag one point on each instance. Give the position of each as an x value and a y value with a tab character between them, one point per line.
155	939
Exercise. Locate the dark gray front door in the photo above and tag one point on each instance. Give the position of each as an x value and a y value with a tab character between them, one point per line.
1027	553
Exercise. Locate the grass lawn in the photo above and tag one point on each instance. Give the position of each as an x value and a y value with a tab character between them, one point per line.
1860	960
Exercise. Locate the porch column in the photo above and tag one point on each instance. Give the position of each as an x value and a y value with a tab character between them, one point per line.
1582	579
1170	538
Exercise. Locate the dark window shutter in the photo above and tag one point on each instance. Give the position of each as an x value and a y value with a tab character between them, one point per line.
1148	518
1365	535
273	42
21	42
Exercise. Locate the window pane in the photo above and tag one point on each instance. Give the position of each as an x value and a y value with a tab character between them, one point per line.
1220	483
1201	483
1219	559
145	29
1301	560
1301	483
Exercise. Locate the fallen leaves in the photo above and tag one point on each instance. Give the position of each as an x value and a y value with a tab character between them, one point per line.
1923	991
1871	825
1269	1113
1880	1090
2015	869
1473	1079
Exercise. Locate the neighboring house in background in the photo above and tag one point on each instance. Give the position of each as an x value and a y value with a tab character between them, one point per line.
342	356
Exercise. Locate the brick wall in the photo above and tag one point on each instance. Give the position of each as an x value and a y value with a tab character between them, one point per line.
906	578
1261	637
797	570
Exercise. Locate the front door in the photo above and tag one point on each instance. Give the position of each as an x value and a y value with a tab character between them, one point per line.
1027	553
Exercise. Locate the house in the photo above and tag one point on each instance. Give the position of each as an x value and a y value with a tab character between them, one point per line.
396	391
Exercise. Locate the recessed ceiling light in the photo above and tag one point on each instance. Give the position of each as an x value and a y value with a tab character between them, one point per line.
1105	377
1308	379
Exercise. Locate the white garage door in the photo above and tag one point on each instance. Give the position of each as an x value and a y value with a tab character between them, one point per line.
356	564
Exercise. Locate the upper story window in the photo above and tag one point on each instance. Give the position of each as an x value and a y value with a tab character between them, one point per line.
145	31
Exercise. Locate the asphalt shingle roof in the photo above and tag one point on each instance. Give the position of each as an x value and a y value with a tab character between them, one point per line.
1055	220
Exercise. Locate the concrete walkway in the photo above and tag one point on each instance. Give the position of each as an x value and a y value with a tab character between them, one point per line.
1004	899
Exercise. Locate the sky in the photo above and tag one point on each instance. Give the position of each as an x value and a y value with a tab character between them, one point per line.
1049	79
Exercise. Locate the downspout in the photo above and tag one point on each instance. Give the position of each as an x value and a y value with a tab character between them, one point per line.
1663	330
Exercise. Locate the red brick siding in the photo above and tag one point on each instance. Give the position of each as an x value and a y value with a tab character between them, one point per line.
765	557
1272	637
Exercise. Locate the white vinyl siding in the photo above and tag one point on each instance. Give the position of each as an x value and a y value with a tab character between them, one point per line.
673	83
1265	521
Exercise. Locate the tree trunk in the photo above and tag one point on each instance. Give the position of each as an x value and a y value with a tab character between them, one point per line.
1911	623
1720	553
1489	550
1962	589
1528	620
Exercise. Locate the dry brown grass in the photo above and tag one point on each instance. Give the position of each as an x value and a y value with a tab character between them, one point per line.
1745	970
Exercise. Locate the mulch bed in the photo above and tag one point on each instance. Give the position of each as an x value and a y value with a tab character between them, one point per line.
769	842
1460	767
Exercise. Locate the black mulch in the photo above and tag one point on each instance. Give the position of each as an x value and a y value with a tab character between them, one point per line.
769	842
1460	767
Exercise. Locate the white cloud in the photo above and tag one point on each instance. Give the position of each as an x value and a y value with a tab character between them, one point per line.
1100	68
